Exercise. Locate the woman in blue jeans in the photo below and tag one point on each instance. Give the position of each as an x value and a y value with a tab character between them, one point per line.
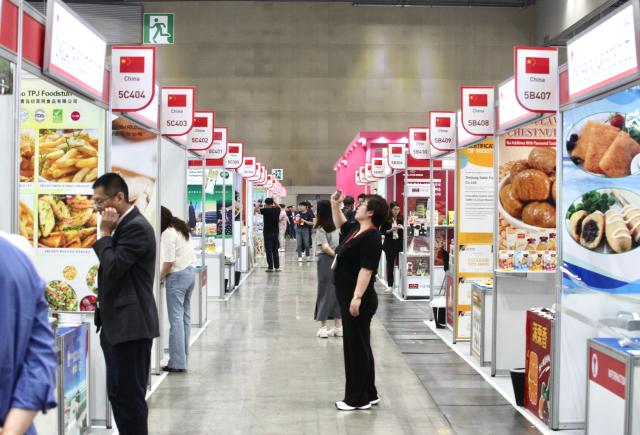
177	257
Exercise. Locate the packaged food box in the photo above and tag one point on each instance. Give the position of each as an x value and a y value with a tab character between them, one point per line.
505	260
550	260
521	240
535	261
521	261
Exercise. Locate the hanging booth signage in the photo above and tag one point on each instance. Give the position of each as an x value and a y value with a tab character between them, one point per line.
218	149
419	143
248	168
464	138
442	132
149	115
510	112
74	53
263	177
477	111
605	55
177	110
536	71
133	78
367	173
397	156
358	179
233	158
379	167
269	182
200	138
257	173
363	175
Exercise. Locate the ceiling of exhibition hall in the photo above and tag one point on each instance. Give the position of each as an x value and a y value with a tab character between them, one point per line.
467	3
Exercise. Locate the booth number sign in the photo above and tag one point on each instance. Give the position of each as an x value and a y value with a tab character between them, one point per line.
277	174
158	28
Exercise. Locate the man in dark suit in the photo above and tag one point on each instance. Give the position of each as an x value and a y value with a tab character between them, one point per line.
127	314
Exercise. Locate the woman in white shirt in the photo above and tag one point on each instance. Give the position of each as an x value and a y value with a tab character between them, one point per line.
177	257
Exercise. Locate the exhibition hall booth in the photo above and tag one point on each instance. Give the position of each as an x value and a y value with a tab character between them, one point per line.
70	117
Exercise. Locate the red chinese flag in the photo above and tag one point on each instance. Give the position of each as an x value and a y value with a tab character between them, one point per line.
537	65
217	135
443	121
420	135
248	162
177	100
200	121
132	64
377	162
396	150
478	100
234	149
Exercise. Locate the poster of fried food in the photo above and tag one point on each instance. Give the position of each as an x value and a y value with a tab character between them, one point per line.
26	217
600	207
527	188
140	173
27	155
66	221
68	156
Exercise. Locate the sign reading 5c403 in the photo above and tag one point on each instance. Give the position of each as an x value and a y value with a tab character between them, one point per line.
176	123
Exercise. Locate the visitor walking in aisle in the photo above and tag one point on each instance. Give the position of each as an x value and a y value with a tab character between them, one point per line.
326	303
291	228
177	257
271	214
347	208
282	227
354	272
304	223
392	245
27	348
126	317
361	199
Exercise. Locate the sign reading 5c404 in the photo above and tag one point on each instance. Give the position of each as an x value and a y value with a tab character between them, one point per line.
131	94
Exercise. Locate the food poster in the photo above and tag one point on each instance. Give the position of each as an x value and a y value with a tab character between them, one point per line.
537	391
61	154
216	184
601	194
134	155
74	355
527	198
443	203
474	216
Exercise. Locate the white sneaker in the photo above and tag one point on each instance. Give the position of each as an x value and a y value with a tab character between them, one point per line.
344	407
323	332
375	402
336	332
299	259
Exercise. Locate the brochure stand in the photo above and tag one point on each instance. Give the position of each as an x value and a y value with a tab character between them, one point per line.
525	145
597	289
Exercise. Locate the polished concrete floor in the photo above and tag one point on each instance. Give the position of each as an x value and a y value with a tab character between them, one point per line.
259	369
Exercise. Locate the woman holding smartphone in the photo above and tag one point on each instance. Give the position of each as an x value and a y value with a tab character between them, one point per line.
355	266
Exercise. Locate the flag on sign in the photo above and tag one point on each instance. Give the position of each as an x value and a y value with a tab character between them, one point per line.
420	135
396	150
177	100
537	65
377	162
132	64
249	162
200	121
478	100
443	121
217	135
234	149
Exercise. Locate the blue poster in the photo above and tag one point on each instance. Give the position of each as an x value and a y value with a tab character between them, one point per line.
601	195
75	352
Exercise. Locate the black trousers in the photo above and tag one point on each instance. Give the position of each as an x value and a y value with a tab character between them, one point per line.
271	249
359	367
391	253
127	377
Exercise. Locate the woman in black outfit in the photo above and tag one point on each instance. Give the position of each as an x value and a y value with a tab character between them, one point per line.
354	272
392	245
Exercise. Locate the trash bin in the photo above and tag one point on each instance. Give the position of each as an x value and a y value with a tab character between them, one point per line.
517	380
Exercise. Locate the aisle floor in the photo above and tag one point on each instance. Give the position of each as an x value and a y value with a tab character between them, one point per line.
259	369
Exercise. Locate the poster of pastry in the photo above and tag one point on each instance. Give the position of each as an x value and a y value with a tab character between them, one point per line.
140	173
527	197
61	154
601	194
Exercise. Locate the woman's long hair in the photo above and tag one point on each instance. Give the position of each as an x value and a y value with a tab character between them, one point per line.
392	205
167	219
324	218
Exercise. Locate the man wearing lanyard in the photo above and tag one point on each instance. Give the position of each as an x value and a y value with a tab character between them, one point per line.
127	315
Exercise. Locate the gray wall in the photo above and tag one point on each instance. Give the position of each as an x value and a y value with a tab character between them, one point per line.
556	16
296	81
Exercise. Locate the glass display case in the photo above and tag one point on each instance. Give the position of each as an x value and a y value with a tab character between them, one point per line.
416	258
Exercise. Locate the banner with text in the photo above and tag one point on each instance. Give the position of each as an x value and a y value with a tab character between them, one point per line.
233	158
537	78
200	138
397	156
248	168
419	143
477	110
442	132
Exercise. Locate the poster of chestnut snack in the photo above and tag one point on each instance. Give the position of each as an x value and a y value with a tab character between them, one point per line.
527	197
